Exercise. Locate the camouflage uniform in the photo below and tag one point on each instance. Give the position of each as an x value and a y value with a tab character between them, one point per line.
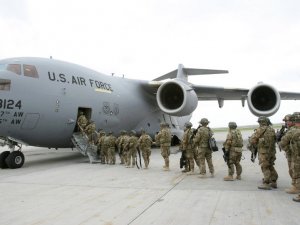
164	139
291	142
132	149
110	142
288	152
204	151
233	145
82	121
264	138
144	143
90	131
187	146
123	146
120	150
99	144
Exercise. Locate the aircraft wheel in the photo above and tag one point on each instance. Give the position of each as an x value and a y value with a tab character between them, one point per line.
15	160
3	156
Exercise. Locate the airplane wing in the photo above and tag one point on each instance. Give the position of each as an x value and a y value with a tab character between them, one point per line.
178	97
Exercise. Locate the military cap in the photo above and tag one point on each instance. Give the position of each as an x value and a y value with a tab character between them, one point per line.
188	124
287	117
232	125
204	121
262	119
132	132
295	117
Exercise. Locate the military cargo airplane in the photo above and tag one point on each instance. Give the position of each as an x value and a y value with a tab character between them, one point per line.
42	98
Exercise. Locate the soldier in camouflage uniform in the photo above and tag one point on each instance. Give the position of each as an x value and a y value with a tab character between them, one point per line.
90	132
204	152
123	145
100	144
132	149
82	121
118	144
110	142
233	145
291	142
144	143
288	152
164	139
264	138
187	146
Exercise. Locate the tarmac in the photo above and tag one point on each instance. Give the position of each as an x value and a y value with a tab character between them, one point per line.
61	187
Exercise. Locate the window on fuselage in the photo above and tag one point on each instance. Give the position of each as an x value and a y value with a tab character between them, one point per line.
5	85
15	68
30	71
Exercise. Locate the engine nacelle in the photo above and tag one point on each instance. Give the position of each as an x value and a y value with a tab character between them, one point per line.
176	98
263	100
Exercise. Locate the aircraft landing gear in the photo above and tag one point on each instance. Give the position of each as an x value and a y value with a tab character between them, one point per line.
3	157
12	159
15	160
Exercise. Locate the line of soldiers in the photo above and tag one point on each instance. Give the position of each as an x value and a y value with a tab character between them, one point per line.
127	145
196	148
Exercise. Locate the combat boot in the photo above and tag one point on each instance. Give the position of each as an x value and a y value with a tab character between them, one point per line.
273	185
190	172
202	176
238	177
212	175
297	198
264	186
292	190
228	178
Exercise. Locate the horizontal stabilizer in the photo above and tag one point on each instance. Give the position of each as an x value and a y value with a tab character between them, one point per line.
183	73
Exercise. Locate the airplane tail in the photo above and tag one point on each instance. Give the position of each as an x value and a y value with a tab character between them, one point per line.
183	73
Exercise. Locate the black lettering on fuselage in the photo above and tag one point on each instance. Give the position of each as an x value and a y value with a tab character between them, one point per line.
62	77
51	77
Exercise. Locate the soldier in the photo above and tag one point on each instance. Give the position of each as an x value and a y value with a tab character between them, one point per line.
233	147
164	139
118	144
90	131
144	143
290	143
110	142
132	149
187	146
82	121
264	138
204	152
123	145
100	144
288	124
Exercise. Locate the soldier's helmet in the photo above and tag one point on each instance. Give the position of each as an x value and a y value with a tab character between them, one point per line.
262	120
295	117
204	121
188	124
80	113
162	124
287	118
132	132
143	131
232	125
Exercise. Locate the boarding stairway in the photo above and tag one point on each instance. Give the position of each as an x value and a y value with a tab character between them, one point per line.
81	143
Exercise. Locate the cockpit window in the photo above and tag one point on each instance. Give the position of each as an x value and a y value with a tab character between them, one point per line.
30	71
15	68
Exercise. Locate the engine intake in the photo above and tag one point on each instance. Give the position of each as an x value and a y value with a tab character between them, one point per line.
263	100
176	98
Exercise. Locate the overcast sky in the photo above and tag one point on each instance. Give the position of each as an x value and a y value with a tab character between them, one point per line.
256	40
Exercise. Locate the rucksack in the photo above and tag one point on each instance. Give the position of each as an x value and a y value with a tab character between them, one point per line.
237	140
295	141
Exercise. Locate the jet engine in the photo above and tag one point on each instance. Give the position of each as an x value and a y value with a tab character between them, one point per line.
176	98
263	100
